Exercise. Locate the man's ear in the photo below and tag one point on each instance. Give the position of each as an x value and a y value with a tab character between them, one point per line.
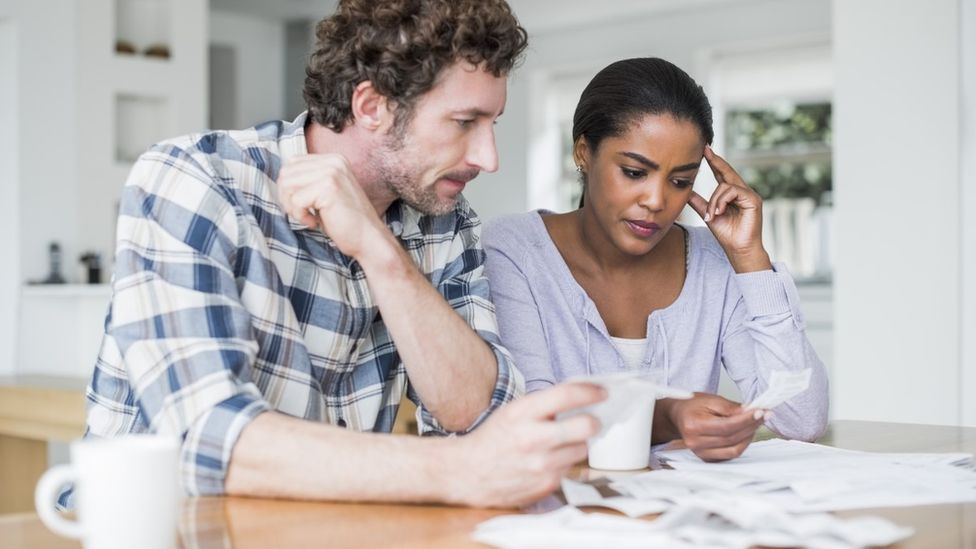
371	110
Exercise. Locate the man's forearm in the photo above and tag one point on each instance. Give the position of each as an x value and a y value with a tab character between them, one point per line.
283	457
516	457
450	366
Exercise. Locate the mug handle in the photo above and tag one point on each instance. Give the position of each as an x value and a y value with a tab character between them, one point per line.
45	497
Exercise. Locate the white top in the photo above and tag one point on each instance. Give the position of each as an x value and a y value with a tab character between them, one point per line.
631	351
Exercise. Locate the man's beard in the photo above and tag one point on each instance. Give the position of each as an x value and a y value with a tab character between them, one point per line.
392	166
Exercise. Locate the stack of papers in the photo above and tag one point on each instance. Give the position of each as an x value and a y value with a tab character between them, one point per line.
707	523
775	495
800	476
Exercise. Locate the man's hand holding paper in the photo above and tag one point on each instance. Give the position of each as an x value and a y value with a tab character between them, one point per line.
626	416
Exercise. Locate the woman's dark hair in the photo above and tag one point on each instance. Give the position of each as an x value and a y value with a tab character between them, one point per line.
402	46
626	90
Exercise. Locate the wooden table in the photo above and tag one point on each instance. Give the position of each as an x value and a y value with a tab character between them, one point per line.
33	411
246	523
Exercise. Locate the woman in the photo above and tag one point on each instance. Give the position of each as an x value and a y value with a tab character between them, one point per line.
618	285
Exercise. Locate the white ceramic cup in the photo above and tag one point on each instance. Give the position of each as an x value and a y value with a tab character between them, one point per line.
624	442
127	492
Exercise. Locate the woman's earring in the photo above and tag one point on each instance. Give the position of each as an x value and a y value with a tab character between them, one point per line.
579	169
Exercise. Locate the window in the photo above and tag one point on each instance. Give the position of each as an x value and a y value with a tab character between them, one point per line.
784	152
773	124
553	182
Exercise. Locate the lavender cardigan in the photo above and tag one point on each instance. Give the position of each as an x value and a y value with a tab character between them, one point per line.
749	323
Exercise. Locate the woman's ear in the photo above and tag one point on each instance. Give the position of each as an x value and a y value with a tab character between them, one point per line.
371	110
581	154
582	158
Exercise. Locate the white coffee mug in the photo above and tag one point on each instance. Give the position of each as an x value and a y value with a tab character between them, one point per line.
624	442
127	492
626	417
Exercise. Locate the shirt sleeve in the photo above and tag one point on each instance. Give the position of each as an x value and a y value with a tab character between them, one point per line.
465	287
766	332
519	322
184	336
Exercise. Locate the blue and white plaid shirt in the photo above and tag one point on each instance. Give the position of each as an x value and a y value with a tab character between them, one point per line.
224	308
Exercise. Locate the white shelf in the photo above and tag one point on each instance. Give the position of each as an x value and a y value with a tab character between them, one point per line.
143	23
140	121
67	290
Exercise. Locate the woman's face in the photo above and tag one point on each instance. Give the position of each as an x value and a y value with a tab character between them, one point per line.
638	182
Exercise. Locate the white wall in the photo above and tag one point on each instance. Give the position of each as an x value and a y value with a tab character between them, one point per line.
177	87
299	40
967	63
260	45
677	36
9	189
48	155
67	80
897	190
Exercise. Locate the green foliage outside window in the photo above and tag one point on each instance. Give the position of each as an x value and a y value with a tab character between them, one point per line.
783	151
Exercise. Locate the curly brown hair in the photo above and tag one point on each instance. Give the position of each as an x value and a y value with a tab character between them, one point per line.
401	47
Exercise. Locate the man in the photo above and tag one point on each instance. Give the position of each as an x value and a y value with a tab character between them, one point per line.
277	290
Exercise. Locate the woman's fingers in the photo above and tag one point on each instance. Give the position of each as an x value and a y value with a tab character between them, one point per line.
722	440
724	453
719	426
700	205
727	194
735	195
711	157
716	446
720	197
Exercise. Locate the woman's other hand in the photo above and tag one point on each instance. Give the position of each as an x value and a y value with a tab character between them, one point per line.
734	215
714	428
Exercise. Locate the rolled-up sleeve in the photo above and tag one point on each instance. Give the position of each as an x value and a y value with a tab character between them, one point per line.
465	287
183	335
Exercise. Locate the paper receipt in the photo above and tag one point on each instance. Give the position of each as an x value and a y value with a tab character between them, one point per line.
783	385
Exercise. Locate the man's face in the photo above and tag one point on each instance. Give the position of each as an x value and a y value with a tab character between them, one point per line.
448	141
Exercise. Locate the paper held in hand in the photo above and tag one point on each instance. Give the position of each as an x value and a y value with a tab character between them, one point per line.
626	418
636	382
625	391
783	385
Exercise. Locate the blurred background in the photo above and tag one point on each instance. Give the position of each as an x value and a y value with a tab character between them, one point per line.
854	120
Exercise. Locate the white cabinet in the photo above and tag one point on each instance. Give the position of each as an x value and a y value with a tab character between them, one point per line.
61	329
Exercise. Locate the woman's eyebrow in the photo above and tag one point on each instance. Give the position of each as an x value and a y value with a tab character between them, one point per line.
653	165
